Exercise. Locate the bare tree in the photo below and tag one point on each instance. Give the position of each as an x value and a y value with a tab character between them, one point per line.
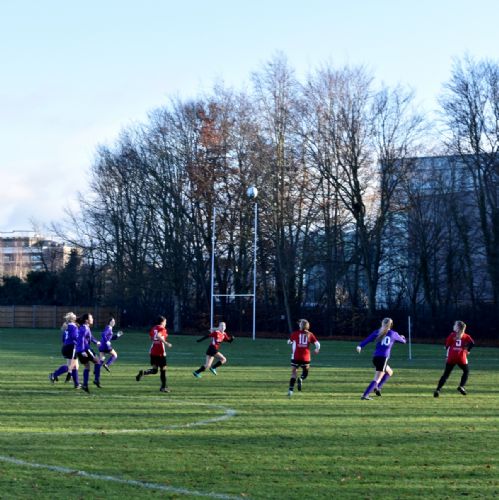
470	105
287	189
320	100
368	135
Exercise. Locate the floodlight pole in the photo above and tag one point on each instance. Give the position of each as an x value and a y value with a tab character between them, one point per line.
213	223
254	268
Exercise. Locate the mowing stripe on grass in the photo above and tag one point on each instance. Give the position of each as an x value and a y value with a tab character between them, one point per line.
128	482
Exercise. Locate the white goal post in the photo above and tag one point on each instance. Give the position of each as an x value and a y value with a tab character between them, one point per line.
213	295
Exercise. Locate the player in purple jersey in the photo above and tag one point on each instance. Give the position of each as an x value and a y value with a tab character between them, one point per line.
106	348
69	338
85	354
385	338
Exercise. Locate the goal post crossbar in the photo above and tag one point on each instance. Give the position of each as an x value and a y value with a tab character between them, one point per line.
233	295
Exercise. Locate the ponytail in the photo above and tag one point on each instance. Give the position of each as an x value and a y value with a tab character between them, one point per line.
461	327
386	324
303	324
84	317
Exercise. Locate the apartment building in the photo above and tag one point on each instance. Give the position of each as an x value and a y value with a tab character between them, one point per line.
22	252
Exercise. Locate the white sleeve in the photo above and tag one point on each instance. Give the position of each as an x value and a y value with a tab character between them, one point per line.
317	345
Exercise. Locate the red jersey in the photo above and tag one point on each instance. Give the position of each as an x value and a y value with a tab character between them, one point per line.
300	341
457	348
157	334
217	337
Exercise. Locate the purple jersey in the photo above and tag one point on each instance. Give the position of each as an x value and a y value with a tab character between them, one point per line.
106	337
84	338
383	346
70	334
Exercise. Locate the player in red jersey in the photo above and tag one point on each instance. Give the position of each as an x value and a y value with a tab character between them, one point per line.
217	335
300	356
458	346
157	352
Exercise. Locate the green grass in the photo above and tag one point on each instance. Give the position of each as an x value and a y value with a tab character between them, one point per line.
322	443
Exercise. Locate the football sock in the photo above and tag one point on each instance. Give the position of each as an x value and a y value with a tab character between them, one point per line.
292	381
111	360
304	373
74	373
162	375
151	371
68	376
97	368
63	369
464	377
370	388
217	364
383	381
200	369
445	376
86	373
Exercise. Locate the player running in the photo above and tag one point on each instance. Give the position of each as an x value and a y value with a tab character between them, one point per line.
458	345
157	352
385	339
300	340
85	354
106	348
217	335
69	338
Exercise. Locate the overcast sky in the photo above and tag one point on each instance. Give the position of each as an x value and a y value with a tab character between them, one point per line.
73	74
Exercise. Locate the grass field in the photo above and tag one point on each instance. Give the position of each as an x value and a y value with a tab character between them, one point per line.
238	435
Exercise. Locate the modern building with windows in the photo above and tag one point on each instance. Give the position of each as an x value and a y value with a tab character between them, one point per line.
22	252
434	243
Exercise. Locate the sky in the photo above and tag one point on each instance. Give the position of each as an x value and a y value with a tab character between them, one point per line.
74	74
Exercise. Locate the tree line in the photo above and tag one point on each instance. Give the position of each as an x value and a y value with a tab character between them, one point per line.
352	223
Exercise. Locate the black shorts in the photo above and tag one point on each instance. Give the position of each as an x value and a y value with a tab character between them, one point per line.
68	351
159	361
90	356
297	364
106	350
211	351
380	363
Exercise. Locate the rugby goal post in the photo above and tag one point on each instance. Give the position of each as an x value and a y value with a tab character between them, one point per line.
409	336
214	295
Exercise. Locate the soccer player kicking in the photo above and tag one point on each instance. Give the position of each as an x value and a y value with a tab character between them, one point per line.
300	341
106	348
157	353
385	339
69	337
458	346
217	335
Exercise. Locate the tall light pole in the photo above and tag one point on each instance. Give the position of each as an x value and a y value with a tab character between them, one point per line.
212	287
252	193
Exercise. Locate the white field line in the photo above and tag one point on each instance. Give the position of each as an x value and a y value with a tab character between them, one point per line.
228	413
128	482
